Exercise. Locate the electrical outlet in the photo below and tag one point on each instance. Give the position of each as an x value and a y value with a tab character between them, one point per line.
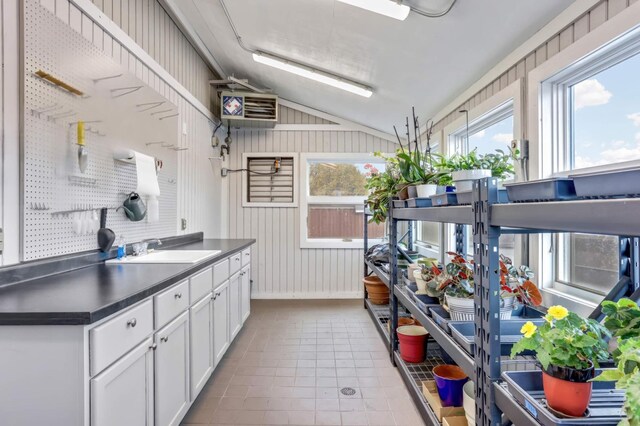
183	224
224	172
184	128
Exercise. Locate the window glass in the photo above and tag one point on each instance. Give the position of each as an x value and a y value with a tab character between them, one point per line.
496	136
335	197
429	233
337	179
605	116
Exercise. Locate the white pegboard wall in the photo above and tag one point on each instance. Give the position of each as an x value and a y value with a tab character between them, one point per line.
50	168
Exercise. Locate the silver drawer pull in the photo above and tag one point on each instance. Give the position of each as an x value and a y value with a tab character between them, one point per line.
178	295
132	322
164	339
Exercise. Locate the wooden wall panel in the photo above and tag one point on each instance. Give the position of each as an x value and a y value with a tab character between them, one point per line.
586	23
281	268
149	25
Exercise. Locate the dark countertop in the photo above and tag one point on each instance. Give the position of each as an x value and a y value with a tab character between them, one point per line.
87	295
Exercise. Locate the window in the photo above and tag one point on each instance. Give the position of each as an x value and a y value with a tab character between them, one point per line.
590	105
269	179
331	213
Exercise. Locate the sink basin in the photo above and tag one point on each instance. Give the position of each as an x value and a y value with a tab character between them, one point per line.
167	256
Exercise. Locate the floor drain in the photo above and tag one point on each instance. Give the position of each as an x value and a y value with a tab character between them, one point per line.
348	391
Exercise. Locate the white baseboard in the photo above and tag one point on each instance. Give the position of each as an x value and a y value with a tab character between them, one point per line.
315	295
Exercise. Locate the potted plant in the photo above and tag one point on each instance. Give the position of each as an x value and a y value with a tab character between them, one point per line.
568	348
516	288
473	166
427	280
382	186
458	288
622	320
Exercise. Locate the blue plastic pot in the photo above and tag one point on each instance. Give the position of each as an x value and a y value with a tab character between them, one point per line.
450	380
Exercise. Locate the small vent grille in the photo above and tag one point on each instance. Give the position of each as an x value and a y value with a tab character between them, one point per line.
348	391
260	108
266	186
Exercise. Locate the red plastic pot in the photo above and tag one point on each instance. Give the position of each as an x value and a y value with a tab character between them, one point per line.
412	339
568	390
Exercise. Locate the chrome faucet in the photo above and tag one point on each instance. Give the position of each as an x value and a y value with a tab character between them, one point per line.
142	248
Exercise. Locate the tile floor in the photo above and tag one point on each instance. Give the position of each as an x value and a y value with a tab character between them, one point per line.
288	364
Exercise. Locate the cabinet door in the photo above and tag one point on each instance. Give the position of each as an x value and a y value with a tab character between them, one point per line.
235	314
123	393
220	321
172	372
245	293
201	340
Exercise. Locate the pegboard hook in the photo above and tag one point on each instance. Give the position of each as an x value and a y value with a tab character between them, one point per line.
96	80
125	91
149	105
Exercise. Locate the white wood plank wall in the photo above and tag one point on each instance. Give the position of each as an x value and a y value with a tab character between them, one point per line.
280	268
584	24
199	188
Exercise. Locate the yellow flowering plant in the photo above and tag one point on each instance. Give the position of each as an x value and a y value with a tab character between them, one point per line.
565	340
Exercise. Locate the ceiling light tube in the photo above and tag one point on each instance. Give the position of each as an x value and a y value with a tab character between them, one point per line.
388	8
312	74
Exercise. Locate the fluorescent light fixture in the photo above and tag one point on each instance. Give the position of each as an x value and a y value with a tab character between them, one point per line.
312	74
384	7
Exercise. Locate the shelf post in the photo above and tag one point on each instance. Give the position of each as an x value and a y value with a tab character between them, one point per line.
365	237
461	239
487	301
393	279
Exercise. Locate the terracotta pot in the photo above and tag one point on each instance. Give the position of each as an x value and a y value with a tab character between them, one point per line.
377	290
403	194
567	389
402	321
412	339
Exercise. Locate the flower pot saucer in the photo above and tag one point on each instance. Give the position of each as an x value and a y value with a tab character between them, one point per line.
561	415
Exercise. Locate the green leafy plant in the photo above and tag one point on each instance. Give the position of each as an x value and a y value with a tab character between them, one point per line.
416	168
564	340
500	163
457	279
517	282
623	321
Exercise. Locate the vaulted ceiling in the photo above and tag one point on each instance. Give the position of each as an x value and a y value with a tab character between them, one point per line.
421	61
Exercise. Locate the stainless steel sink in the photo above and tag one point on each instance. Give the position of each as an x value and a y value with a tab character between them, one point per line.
167	256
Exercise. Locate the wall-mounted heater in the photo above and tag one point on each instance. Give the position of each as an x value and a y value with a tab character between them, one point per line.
245	109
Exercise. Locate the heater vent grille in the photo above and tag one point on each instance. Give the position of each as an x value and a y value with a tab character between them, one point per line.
249	109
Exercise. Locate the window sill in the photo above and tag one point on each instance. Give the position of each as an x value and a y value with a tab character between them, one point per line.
552	296
337	244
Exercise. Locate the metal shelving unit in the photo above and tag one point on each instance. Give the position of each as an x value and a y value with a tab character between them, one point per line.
378	271
489	220
380	315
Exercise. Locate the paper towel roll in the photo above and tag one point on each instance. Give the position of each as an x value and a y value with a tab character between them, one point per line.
146	172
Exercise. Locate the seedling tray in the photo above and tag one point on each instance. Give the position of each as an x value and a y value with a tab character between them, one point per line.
608	184
464	332
465	198
419	202
399	204
554	189
441	316
605	408
445	199
424	307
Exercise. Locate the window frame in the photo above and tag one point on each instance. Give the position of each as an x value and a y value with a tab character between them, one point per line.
244	180
306	200
508	101
548	130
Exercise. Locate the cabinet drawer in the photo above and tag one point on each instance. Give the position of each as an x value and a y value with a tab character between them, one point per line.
114	338
235	263
170	303
220	272
200	284
246	257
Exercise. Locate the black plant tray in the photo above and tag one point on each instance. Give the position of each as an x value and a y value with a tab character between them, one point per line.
399	204
441	316
609	184
444	199
465	198
605	408
419	202
554	189
464	332
424	307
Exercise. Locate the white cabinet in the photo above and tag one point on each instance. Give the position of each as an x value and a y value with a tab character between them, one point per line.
235	314
245	293
123	393
201	339
220	321
172	372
